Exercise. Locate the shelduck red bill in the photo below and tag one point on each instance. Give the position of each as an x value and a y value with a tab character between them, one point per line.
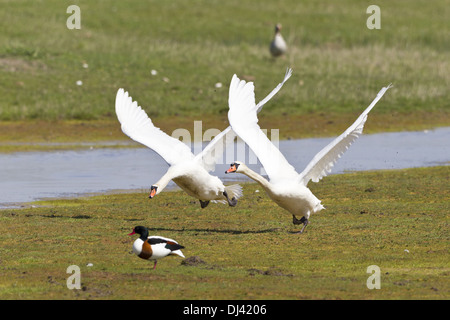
133	232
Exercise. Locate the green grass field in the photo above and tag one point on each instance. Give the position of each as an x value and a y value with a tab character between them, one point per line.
397	220
339	64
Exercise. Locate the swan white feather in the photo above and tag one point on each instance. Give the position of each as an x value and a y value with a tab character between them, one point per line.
138	126
324	160
214	150
242	116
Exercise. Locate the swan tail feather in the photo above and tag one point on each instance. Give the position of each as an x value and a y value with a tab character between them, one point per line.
318	207
234	191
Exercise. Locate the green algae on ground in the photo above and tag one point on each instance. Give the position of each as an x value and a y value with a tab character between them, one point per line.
397	220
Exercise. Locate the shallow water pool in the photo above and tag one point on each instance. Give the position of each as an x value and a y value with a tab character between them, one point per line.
29	176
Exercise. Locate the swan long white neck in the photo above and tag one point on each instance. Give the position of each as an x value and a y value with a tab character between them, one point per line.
164	181
254	176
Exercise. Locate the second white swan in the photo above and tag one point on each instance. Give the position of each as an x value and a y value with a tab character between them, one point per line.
287	188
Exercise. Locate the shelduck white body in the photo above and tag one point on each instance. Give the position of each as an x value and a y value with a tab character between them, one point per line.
190	172
159	250
287	188
154	247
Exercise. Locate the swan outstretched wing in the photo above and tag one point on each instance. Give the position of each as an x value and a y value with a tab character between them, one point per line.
138	126
214	150
323	162
244	121
274	91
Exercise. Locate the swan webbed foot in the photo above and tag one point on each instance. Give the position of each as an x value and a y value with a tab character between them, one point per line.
204	204
304	225
232	202
303	221
298	221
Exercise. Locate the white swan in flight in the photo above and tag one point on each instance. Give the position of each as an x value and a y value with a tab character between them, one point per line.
287	188
190	172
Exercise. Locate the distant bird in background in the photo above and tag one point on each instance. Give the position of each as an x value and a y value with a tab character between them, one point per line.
278	46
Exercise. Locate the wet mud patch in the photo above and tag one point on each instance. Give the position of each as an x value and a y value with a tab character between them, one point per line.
193	261
269	272
81	216
196	261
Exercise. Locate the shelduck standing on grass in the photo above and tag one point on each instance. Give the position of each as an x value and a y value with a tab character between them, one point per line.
154	247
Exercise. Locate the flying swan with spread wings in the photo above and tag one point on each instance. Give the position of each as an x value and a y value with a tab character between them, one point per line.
190	172
285	187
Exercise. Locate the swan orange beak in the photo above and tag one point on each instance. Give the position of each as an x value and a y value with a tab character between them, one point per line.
152	192
231	169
